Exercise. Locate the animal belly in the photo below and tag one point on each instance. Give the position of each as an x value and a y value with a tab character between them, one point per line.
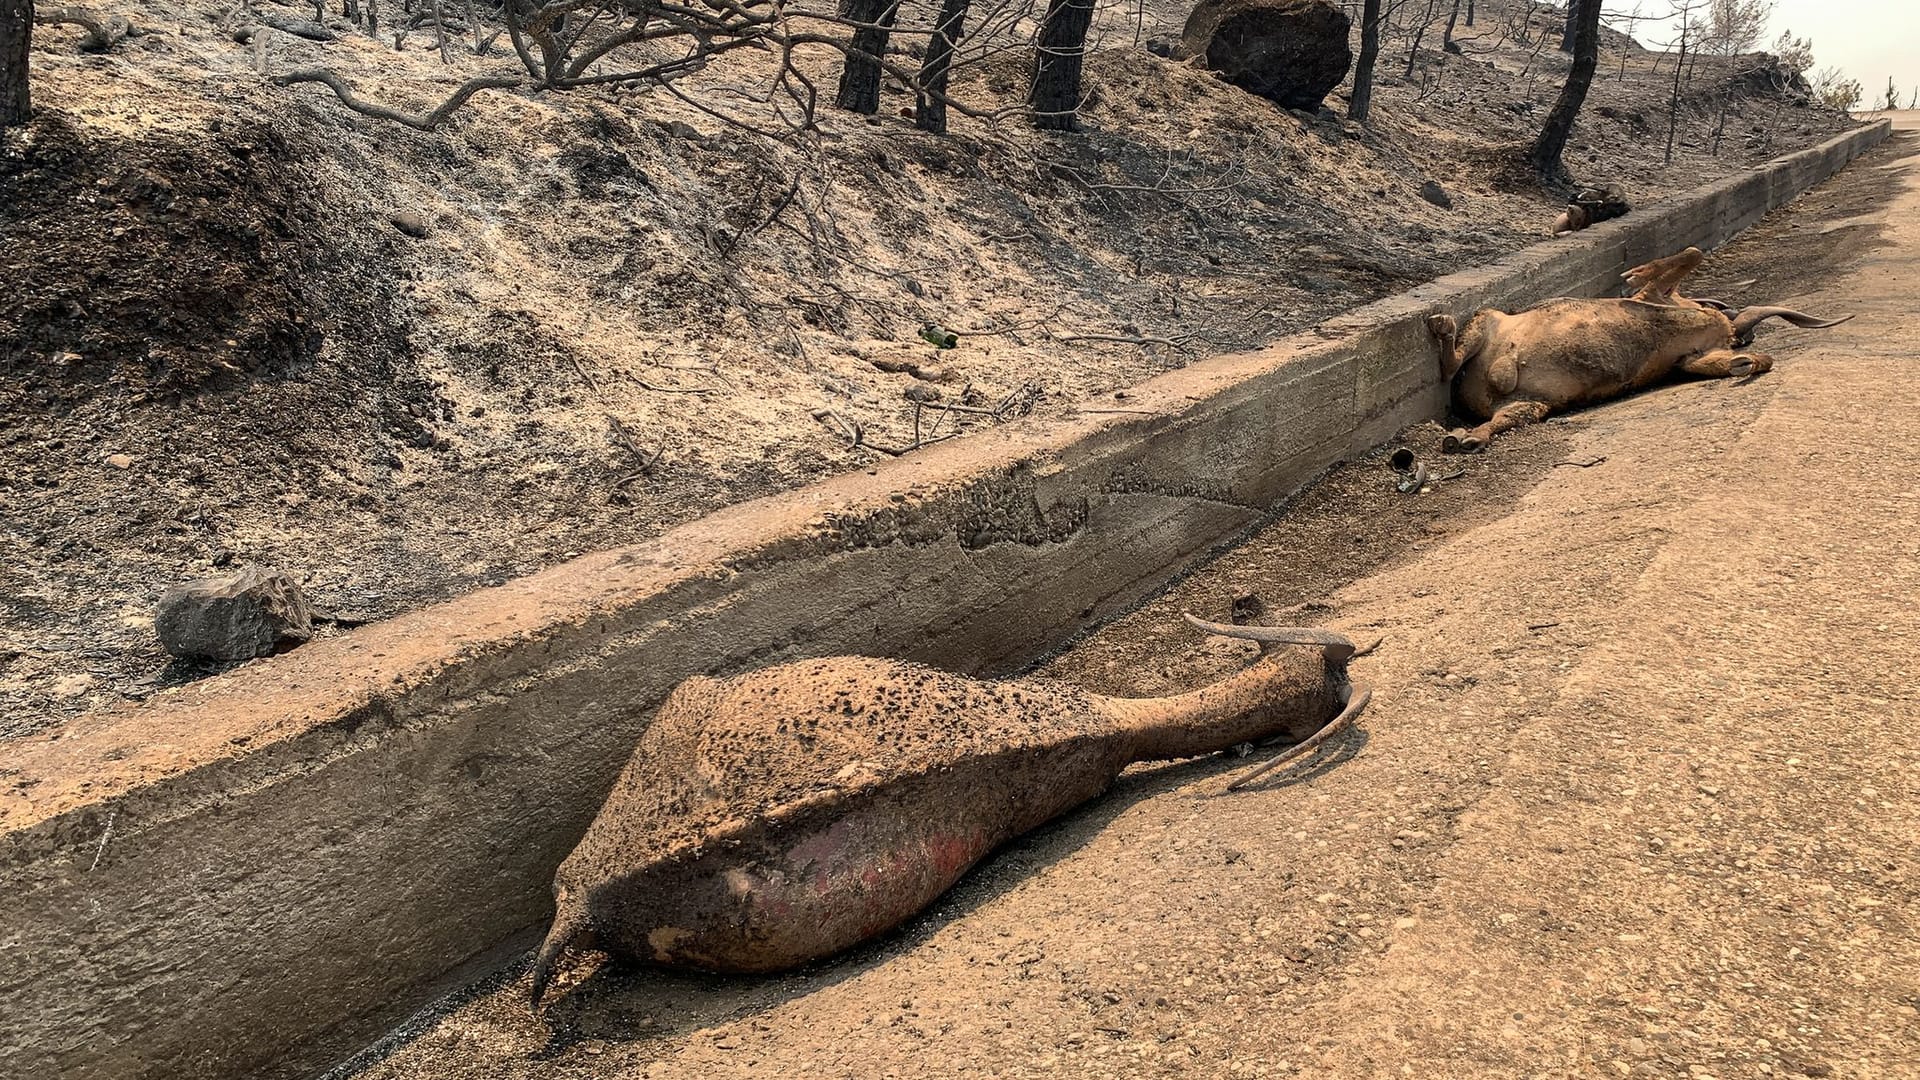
829	890
848	875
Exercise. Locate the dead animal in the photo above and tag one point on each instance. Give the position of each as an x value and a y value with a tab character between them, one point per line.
1517	369
1590	206
773	818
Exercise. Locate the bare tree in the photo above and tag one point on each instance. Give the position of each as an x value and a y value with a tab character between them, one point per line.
1447	43
1469	12
930	111
1734	26
1893	96
1054	94
860	75
1833	89
1362	98
1573	20
1795	54
1545	156
16	36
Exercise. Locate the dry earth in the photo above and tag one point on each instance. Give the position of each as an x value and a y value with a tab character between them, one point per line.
216	351
1637	796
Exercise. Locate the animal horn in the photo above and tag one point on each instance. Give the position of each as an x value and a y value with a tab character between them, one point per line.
1338	646
1748	318
1357	698
567	925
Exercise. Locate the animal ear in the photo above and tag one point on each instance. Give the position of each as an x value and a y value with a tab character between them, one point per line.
1248	608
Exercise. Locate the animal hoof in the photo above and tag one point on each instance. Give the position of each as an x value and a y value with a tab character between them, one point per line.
1458	441
1741	367
1442	325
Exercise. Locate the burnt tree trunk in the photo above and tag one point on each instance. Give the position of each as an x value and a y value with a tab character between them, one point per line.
1574	11
1055	93
860	75
930	113
1469	12
1447	44
1419	33
1362	99
1545	156
16	34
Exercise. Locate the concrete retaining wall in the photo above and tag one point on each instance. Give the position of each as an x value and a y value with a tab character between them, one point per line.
279	857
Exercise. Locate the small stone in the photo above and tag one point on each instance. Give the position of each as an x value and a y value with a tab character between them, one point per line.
237	617
72	686
680	129
410	223
120	461
223	557
1437	195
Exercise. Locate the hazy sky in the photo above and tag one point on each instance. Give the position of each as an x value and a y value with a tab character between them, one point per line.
1868	39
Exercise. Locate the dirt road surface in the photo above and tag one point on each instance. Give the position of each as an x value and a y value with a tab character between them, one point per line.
1638	795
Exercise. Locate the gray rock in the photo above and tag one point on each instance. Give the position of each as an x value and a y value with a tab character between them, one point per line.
410	223
237	617
1437	195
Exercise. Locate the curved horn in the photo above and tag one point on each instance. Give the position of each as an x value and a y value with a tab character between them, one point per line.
1357	698
1748	318
1338	646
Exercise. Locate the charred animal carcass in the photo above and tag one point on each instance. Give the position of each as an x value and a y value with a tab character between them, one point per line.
1514	369
1590	206
777	817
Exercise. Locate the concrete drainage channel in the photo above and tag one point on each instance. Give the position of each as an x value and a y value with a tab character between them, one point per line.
289	857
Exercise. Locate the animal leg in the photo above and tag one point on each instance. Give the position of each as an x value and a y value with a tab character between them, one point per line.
1655	282
1457	348
1505	418
1727	364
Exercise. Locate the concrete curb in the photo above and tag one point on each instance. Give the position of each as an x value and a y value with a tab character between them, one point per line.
281	857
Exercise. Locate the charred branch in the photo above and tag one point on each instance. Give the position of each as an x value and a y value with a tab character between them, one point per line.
422	121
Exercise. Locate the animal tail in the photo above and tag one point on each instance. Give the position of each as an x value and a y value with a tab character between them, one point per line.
568	924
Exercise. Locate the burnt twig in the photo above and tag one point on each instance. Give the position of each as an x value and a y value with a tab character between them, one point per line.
646	461
645	385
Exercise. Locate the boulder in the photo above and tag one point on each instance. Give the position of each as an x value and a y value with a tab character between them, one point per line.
236	617
1292	52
